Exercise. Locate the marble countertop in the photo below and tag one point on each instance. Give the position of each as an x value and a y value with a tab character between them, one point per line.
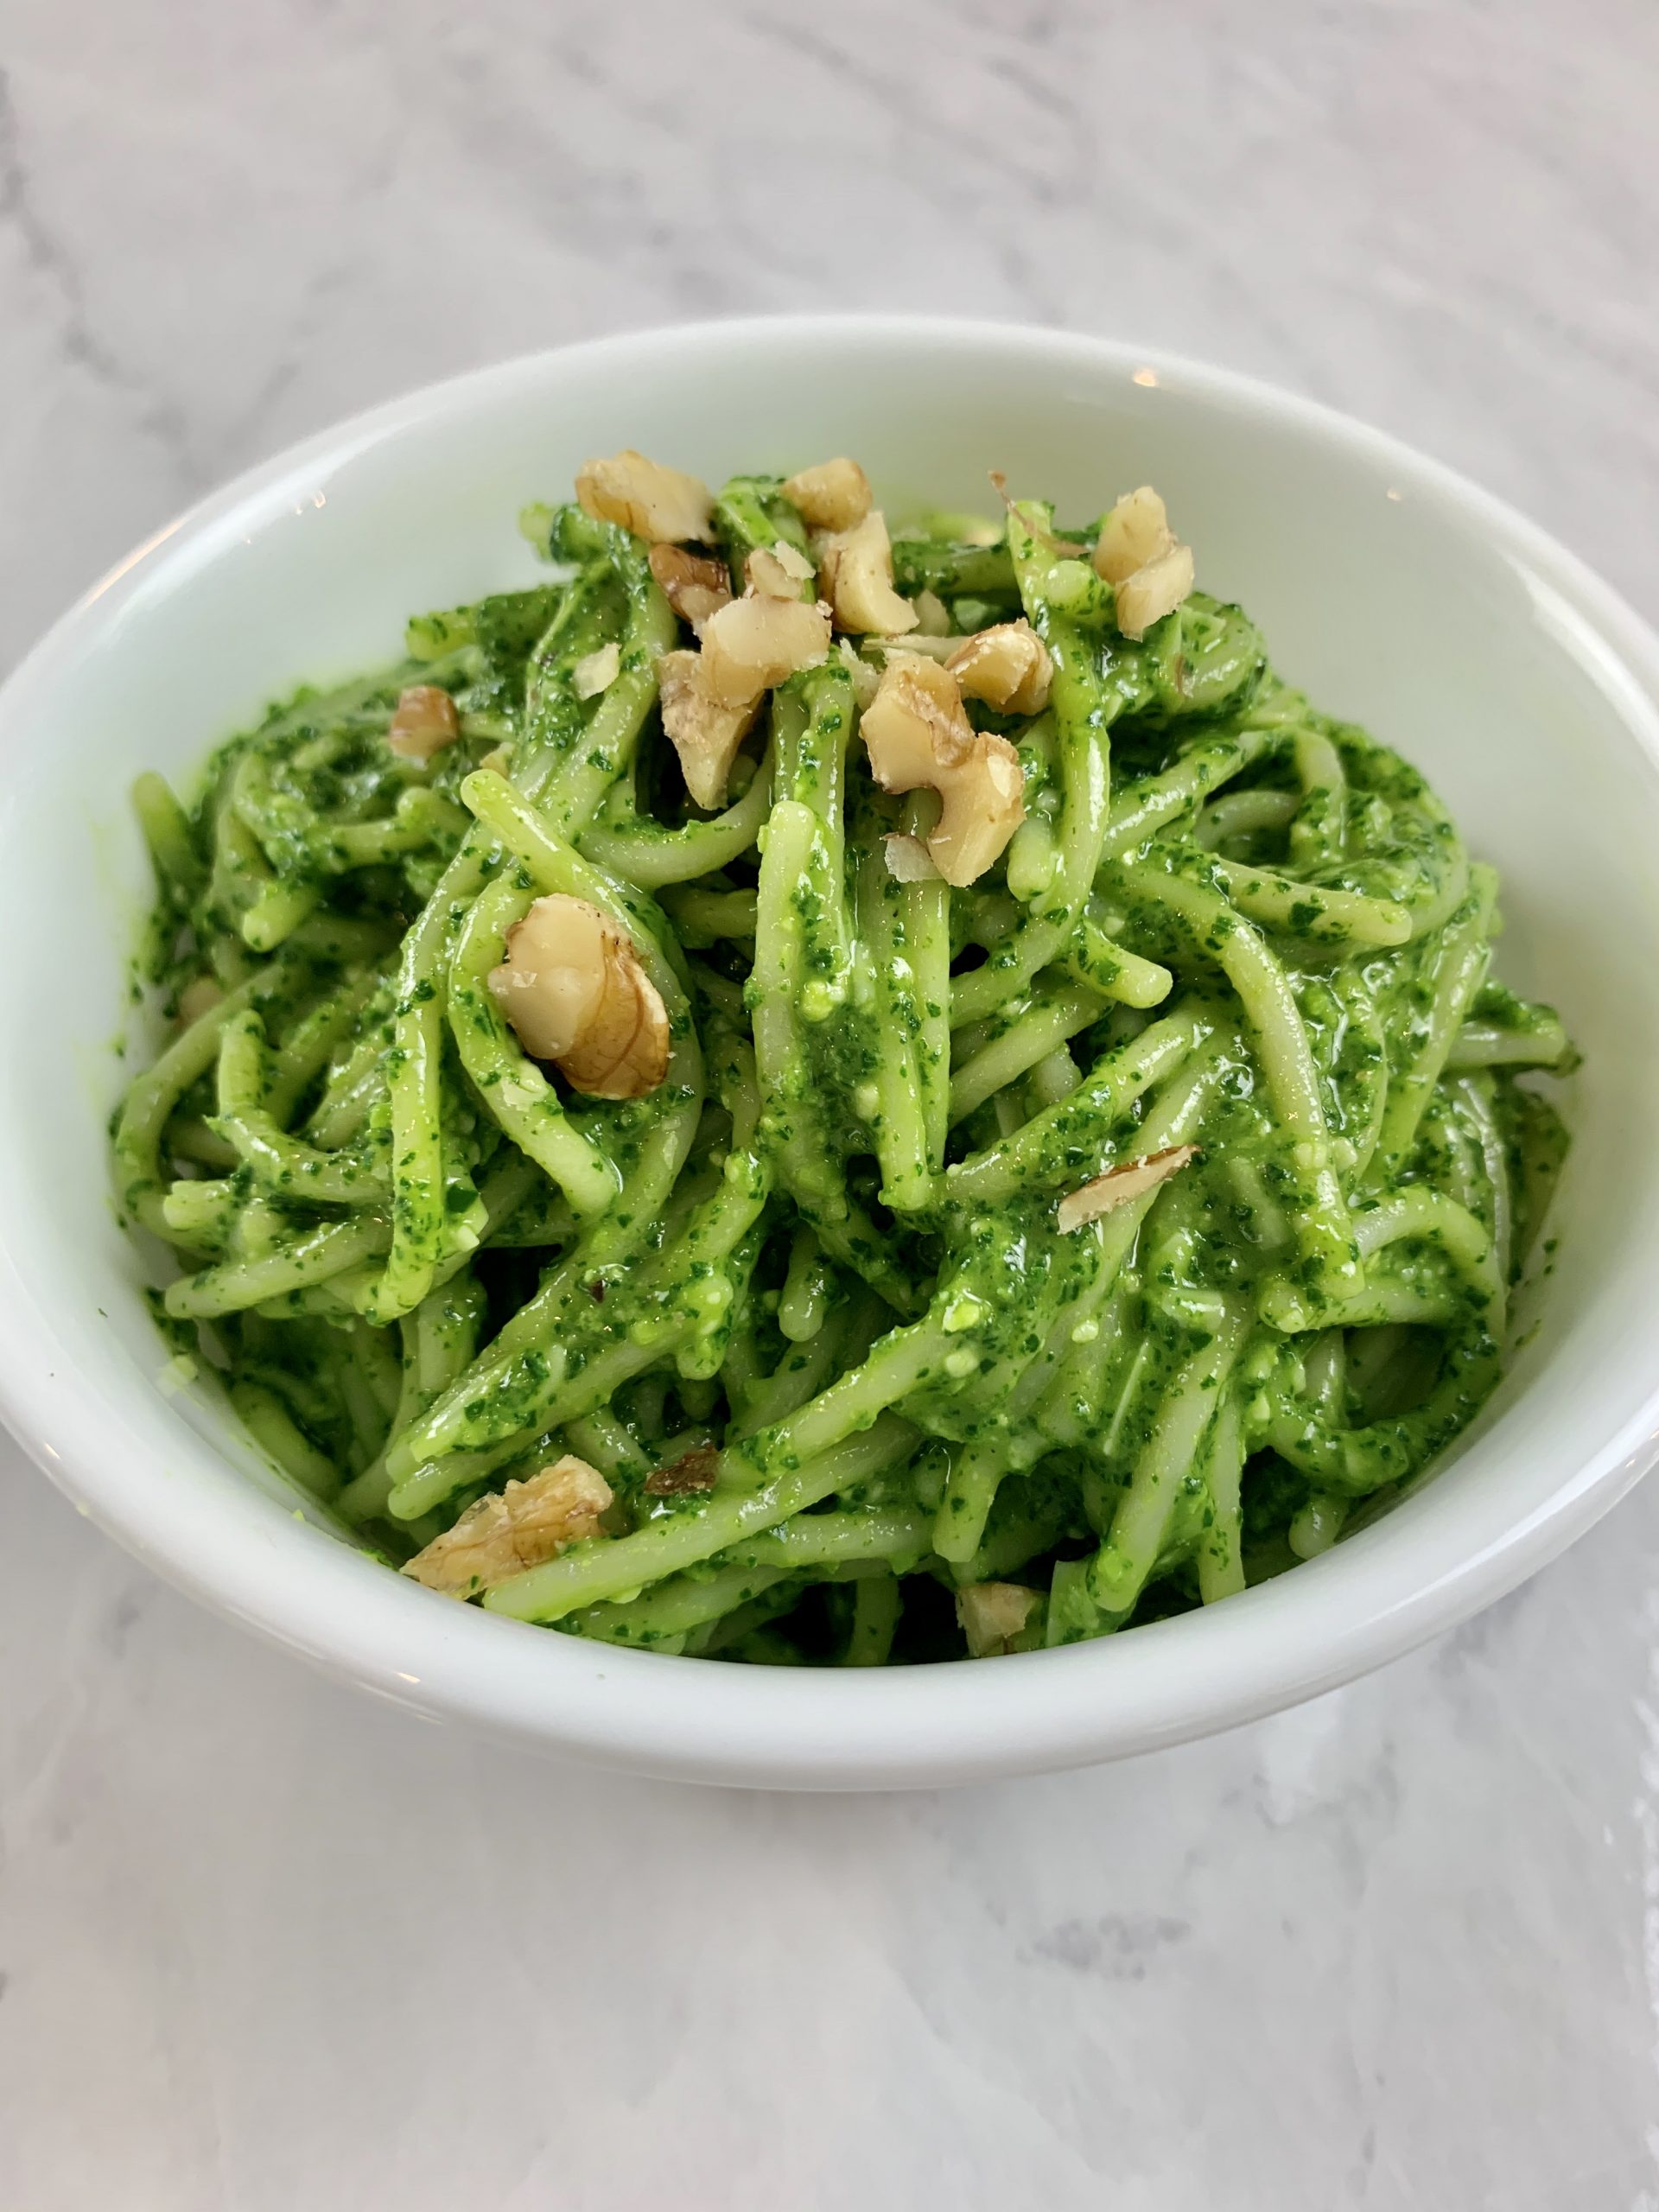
264	1944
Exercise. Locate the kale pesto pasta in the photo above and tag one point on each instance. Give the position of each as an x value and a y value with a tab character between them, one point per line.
804	1095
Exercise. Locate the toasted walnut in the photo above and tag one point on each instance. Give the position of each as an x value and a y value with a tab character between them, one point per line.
693	1470
767	576
1006	665
856	577
917	724
662	504
919	733
574	990
511	1530
1138	553
1133	1179
753	643
778	571
992	1614
705	733
908	859
694	584
199	995
425	722
1155	591
596	671
1136	531
834	495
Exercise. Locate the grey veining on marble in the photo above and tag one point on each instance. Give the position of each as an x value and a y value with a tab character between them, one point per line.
265	1945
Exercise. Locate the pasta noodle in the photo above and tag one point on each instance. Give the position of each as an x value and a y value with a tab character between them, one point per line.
788	1285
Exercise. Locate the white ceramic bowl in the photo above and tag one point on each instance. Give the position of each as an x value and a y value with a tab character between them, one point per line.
1397	594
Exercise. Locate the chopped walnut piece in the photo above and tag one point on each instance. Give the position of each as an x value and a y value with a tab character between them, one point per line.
1138	553
753	643
425	722
856	577
521	1526
1155	591
693	1470
574	990
662	504
694	584
596	671
908	859
199	995
1136	531
1118	1185
778	571
506	1531
833	495
917	733
1007	666
705	733
992	1614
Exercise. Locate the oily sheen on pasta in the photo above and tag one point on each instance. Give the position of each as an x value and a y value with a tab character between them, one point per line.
1037	1148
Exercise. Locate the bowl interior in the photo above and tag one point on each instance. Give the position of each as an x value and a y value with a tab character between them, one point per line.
1395	595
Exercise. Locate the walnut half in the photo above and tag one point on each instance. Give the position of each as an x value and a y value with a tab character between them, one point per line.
919	733
522	1526
573	989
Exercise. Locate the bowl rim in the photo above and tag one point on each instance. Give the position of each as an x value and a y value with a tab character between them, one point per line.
1335	1619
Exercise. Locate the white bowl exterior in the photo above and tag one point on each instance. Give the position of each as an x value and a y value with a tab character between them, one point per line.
1395	593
